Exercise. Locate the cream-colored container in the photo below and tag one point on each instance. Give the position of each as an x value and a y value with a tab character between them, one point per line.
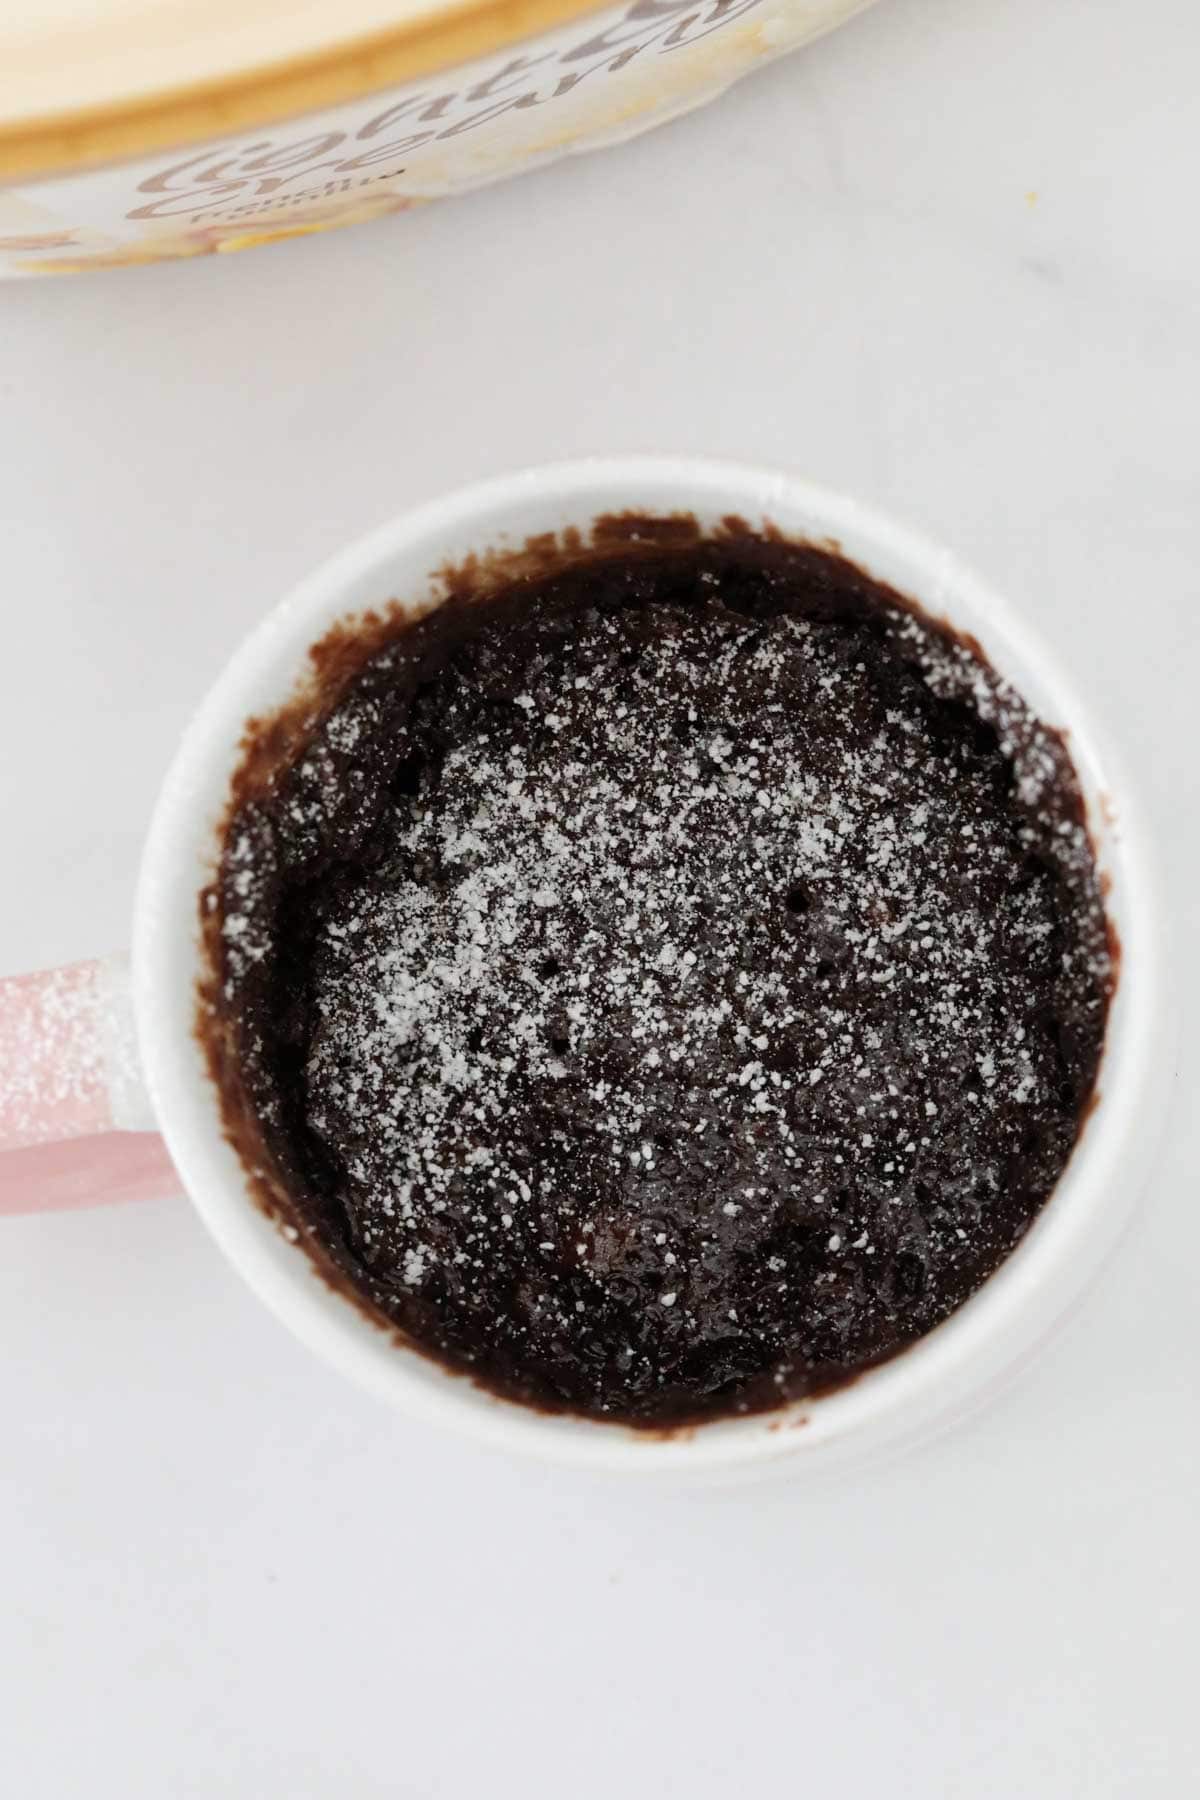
145	129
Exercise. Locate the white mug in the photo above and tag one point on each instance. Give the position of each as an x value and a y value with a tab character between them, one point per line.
86	1071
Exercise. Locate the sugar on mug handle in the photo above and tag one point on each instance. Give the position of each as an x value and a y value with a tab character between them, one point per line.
76	1127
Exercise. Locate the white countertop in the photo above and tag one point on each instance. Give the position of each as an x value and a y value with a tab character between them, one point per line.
946	259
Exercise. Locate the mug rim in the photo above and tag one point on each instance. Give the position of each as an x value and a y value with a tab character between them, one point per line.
954	1366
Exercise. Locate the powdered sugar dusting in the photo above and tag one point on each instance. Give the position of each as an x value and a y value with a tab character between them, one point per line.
698	937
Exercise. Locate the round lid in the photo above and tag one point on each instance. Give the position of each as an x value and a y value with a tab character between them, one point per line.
89	81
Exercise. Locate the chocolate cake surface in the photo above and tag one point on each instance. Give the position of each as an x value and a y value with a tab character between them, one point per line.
664	985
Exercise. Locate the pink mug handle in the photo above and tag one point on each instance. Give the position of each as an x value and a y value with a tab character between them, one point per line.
76	1127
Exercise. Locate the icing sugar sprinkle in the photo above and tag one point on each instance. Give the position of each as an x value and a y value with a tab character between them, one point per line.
641	897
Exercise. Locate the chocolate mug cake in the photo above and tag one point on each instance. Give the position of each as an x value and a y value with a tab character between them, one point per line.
663	981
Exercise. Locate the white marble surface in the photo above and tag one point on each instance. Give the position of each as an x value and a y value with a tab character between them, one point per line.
947	259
